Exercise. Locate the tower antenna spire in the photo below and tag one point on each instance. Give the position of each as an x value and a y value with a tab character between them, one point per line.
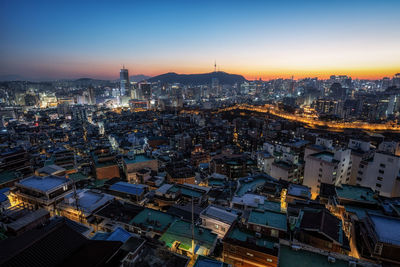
215	65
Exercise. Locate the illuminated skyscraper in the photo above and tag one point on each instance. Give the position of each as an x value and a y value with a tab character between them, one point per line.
124	79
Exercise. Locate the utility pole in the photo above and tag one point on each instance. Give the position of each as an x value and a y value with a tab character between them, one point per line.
192	226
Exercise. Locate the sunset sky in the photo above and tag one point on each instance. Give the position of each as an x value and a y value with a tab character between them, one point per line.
267	39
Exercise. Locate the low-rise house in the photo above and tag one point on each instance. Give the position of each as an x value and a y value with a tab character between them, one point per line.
80	205
116	213
104	164
321	229
268	223
41	191
217	219
300	255
297	192
127	191
17	221
119	234
252	201
178	238
242	247
151	222
379	239
133	163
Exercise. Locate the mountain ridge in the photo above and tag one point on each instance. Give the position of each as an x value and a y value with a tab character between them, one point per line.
197	79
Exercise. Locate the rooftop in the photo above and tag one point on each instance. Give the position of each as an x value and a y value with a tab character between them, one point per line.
244	236
88	200
325	156
386	228
251	185
356	193
185	191
181	231
158	220
44	183
77	176
219	214
7	176
137	159
203	261
133	189
268	218
303	258
120	211
119	234
299	191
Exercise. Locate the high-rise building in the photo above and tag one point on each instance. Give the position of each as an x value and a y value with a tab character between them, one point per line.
124	80
92	97
382	174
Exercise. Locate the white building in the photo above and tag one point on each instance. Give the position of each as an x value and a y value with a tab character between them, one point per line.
217	219
382	174
327	167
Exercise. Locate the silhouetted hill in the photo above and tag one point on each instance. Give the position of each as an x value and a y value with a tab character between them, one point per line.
204	78
138	78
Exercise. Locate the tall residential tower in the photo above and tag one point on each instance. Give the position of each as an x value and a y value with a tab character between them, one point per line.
124	79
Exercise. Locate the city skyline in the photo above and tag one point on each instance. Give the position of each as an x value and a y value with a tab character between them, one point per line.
45	40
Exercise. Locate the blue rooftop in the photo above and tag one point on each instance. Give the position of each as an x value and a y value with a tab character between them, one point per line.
118	234
133	189
203	261
44	184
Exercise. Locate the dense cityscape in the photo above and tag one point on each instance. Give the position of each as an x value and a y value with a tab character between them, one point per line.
248	173
199	134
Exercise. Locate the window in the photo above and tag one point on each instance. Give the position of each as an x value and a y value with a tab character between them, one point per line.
274	233
378	185
216	226
269	260
381	171
380	178
382	165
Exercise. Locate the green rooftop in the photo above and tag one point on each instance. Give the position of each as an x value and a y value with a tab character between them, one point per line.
303	258
7	176
98	183
153	218
250	186
243	236
77	176
268	218
137	159
356	193
185	191
270	205
181	231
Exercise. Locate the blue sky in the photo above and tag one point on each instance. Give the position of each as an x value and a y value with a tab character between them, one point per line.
67	39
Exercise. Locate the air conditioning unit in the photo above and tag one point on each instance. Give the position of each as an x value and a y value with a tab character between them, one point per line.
296	247
258	235
331	259
352	264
